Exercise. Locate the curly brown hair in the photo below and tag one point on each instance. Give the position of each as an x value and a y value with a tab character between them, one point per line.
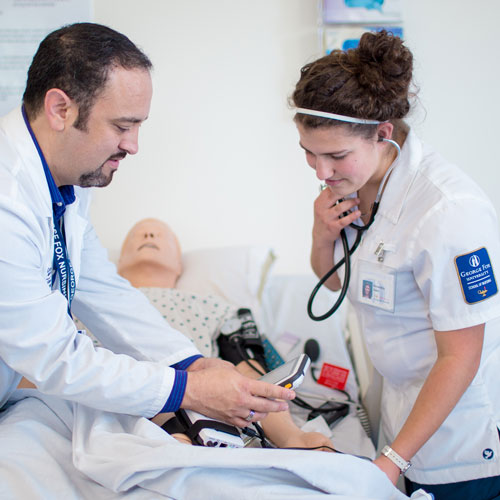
371	81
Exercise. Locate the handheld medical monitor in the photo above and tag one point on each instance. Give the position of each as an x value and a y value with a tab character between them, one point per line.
289	375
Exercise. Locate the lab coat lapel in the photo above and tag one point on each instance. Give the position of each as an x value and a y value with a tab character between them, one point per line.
403	176
28	160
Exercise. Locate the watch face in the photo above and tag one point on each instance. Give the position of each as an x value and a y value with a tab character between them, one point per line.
230	326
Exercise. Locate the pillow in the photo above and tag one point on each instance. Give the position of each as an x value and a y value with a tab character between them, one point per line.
238	274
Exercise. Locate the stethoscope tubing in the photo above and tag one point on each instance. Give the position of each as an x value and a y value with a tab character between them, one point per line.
347	274
349	251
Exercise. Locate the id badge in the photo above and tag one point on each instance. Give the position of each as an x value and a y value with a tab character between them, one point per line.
377	288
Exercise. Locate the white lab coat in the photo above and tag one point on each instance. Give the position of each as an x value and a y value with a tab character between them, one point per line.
37	337
430	213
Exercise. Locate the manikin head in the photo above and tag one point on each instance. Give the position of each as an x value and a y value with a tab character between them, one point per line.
151	255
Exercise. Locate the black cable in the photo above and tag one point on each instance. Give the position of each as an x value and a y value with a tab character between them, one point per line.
258	434
362	414
304	404
263	439
245	358
313	448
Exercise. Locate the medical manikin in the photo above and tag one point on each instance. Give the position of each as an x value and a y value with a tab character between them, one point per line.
151	260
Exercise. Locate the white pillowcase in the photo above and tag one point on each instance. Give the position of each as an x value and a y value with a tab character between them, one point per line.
238	274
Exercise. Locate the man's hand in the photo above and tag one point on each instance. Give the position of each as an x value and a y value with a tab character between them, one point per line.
204	363
220	392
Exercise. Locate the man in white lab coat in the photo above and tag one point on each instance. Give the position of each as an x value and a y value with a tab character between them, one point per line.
88	91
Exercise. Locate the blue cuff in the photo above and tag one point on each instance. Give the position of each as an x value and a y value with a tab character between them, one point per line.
185	363
178	389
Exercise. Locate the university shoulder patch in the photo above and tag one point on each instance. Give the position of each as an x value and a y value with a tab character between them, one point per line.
476	276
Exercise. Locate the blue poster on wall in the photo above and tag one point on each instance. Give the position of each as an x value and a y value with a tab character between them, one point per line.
362	11
347	37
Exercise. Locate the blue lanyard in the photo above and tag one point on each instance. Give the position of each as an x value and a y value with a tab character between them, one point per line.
63	267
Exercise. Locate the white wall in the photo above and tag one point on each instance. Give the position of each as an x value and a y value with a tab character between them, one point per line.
457	67
219	159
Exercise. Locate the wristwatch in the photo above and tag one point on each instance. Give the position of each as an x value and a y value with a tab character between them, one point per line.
396	459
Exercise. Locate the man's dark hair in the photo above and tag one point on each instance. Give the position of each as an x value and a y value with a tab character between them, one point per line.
77	59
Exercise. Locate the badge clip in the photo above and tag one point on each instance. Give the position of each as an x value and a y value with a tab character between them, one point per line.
380	252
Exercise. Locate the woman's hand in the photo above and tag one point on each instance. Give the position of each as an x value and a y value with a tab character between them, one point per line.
391	470
329	217
326	229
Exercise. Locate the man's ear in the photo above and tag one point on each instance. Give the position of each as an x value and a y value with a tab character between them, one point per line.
60	110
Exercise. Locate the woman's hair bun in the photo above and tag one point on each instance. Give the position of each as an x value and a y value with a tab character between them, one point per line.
370	81
383	67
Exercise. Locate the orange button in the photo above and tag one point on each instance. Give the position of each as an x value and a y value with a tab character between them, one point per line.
288	386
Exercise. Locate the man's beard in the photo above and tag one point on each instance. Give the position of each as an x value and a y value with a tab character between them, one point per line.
98	178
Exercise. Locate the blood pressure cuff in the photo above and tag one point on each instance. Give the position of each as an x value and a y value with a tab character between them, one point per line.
331	411
240	340
181	424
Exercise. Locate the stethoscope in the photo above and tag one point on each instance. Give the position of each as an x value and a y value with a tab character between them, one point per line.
349	251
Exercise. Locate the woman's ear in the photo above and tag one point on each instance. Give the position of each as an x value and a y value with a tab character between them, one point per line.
59	109
384	131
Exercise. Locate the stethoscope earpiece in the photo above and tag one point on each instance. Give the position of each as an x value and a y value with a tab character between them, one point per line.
394	143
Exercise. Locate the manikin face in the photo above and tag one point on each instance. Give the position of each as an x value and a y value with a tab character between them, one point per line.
90	157
343	161
151	255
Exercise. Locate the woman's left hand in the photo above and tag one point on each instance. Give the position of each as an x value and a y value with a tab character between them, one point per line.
391	470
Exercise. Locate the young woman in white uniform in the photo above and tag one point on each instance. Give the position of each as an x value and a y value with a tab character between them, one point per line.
431	322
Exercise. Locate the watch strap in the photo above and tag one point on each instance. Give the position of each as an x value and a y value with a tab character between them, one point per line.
396	459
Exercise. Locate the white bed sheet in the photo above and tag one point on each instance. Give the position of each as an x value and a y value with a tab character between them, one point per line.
55	449
117	456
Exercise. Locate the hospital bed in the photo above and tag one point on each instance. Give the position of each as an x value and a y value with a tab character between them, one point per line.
115	456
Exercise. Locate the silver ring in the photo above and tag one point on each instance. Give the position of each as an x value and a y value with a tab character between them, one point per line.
250	416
